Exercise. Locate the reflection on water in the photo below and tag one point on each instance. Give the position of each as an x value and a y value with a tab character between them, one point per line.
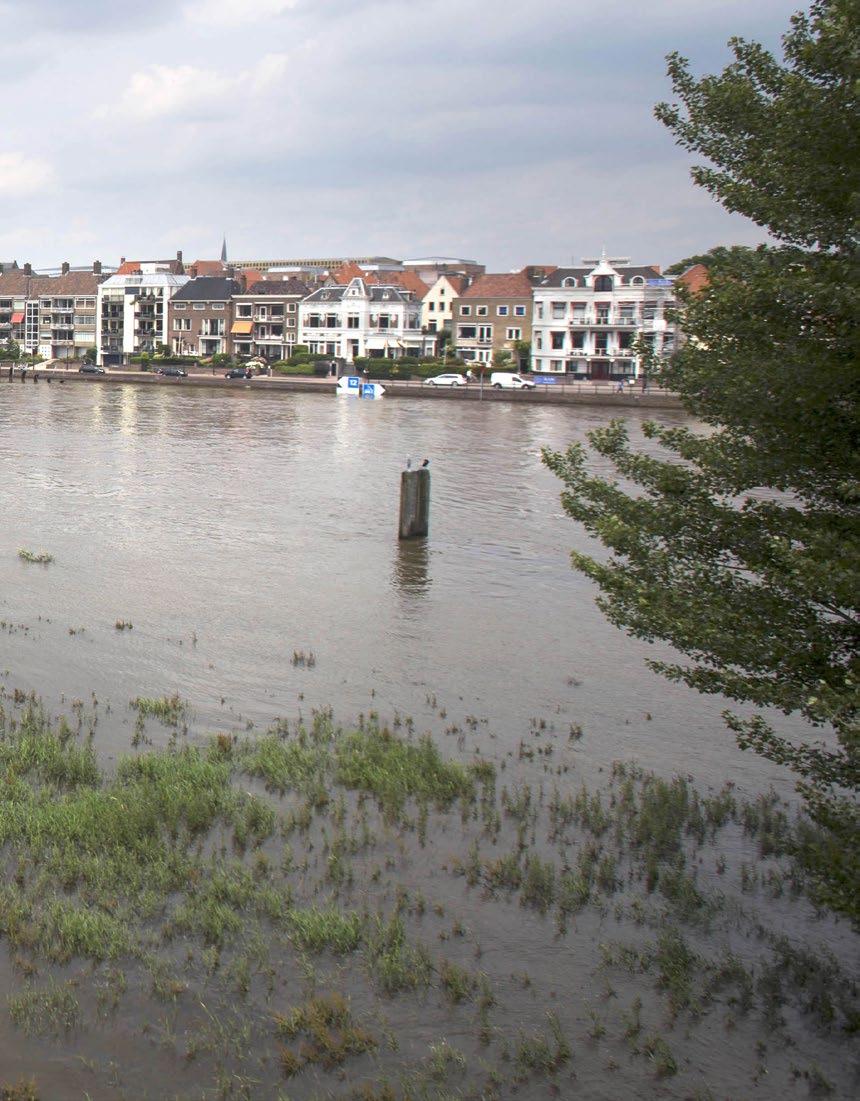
412	567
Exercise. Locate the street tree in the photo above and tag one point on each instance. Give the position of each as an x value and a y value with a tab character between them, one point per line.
740	545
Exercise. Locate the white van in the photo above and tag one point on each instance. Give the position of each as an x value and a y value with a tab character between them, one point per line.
507	380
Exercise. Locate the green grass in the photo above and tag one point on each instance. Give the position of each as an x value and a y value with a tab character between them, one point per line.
167	709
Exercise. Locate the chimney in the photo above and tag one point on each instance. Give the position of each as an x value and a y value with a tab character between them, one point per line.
229	271
179	256
64	270
97	267
192	271
28	269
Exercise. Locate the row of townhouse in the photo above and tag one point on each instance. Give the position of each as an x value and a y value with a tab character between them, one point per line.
249	314
585	322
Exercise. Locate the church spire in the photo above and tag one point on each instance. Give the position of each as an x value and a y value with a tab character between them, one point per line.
224	250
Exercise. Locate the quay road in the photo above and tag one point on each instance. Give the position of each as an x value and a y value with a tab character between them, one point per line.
561	392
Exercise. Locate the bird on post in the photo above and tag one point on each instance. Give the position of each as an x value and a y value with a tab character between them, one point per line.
425	463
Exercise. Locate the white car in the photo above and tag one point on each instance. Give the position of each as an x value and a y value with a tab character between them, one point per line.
507	380
446	380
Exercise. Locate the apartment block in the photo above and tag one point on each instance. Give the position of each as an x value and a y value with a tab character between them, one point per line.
587	319
266	319
53	316
132	314
492	315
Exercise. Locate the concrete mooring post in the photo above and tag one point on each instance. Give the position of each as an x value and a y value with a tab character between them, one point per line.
414	503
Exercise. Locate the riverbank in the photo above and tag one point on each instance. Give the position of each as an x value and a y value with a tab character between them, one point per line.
562	392
391	916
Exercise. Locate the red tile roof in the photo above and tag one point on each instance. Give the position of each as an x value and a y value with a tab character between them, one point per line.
346	273
508	285
209	267
408	280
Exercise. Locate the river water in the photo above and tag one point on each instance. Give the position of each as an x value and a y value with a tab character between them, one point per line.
250	539
234	529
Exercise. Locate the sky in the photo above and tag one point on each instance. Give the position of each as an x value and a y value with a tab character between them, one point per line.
504	132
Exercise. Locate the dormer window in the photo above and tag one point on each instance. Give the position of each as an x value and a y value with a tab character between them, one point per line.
637	281
569	282
603	283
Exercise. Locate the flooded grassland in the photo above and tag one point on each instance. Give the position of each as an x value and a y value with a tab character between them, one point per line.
511	863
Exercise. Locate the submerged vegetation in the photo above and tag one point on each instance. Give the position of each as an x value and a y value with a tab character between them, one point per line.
42	557
276	908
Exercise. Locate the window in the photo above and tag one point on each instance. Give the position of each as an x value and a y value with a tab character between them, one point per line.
569	282
276	311
502	311
179	305
243	310
557	339
217	305
520	311
181	324
556	365
538	311
558	310
465	311
481	311
485	333
637	281
513	334
603	283
352	321
467	332
291	307
431	306
199	306
539	341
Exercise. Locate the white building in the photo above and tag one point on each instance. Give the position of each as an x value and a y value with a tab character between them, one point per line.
361	319
587	319
132	312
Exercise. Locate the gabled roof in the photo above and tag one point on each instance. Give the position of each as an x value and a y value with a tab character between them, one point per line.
507	285
382	292
694	279
557	278
408	280
207	288
209	267
35	286
14	282
346	273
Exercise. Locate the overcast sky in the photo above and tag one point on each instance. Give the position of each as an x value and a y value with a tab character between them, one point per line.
506	132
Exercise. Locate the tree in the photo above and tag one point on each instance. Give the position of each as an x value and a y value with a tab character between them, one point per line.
706	259
502	360
741	546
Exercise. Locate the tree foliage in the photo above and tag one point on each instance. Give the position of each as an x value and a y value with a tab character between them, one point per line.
740	545
706	259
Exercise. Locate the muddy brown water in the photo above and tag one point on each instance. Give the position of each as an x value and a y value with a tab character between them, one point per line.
237	530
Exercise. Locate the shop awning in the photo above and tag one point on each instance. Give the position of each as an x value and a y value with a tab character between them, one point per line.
242	328
18	318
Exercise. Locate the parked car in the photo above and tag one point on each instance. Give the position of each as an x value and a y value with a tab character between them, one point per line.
507	380
91	369
238	372
446	380
173	372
